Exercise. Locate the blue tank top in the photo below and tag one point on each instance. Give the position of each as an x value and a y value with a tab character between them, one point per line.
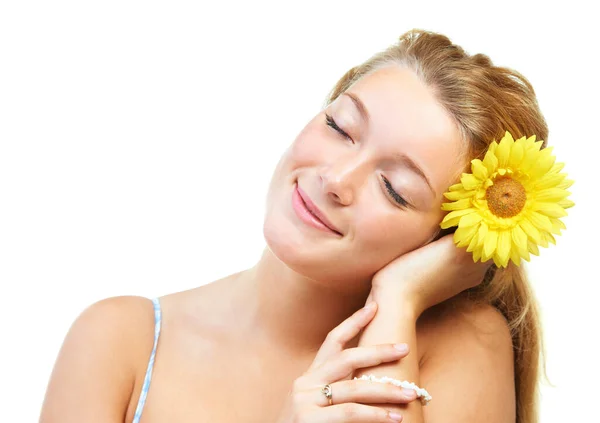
148	377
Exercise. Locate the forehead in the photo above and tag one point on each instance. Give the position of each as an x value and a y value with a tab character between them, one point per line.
405	117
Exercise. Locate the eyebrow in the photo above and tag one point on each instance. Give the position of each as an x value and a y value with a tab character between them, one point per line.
359	105
411	164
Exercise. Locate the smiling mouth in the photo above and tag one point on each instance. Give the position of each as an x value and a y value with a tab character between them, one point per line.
316	217
305	212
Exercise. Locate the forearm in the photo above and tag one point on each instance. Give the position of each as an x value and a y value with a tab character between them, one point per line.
398	325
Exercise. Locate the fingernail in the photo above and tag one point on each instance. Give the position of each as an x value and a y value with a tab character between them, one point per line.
395	416
401	347
369	307
409	392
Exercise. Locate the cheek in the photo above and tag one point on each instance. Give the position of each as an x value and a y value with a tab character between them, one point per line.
312	145
302	152
393	235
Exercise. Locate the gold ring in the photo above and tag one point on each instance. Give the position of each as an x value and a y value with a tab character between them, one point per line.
328	393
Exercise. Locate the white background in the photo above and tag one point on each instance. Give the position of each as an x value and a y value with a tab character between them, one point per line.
138	139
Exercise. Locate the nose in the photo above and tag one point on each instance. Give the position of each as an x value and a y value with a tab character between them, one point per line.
341	178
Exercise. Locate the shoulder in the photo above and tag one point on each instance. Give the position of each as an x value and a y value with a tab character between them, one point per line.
119	314
465	347
124	324
115	308
479	323
100	360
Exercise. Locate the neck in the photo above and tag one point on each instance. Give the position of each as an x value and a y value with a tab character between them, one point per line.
283	306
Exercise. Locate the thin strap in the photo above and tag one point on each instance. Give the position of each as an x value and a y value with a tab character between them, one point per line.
148	377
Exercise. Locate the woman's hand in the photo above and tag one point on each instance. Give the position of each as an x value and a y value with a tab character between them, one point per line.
427	276
334	365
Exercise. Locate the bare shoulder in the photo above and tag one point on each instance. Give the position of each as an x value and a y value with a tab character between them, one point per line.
125	324
480	323
118	314
99	362
467	363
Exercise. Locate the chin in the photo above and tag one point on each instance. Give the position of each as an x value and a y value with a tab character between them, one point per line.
313	258
287	243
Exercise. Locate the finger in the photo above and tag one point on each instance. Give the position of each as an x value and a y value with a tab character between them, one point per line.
347	361
343	333
365	392
352	412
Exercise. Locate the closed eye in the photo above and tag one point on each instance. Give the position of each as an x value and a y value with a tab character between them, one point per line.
392	193
397	198
330	122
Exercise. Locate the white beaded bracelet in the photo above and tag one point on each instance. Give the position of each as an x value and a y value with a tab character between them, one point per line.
422	394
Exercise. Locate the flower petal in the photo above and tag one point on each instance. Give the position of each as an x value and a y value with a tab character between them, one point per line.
479	170
543	164
548	238
483	230
470	220
565	204
497	261
551	194
457	205
452	218
533	248
550	210
557	167
508	136
489	245
473	244
490	162
464	235
470	181
557	225
529	159
503	150
519	240
456	187
515	257
566	184
550	180
459	194
543	239
503	249
519	237
532	232
540	221
516	155
477	255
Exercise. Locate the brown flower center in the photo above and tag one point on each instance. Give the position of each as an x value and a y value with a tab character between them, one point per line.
506	198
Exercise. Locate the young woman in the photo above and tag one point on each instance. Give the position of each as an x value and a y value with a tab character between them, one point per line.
353	217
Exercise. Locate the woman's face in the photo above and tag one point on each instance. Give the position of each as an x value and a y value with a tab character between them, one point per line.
393	135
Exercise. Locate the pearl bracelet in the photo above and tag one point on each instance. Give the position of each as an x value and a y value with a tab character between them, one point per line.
422	394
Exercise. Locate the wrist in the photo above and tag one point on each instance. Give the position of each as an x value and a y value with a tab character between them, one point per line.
401	310
395	301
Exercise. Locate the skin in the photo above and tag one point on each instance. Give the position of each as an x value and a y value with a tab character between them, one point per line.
231	349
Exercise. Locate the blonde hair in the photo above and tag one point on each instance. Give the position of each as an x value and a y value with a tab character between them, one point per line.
485	101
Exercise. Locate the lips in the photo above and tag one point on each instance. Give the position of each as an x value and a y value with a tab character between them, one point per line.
315	211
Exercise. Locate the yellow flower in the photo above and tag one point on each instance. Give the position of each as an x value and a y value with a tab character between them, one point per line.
511	202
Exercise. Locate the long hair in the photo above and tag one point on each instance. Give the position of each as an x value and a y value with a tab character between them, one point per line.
484	101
